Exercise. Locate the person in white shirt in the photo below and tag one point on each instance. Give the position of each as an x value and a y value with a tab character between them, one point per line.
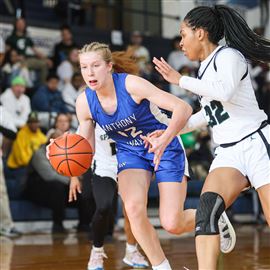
71	90
68	67
16	102
140	52
229	106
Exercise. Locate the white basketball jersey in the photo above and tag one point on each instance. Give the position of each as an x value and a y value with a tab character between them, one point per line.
228	100
105	163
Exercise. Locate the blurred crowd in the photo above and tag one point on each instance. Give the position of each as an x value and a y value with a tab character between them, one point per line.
38	95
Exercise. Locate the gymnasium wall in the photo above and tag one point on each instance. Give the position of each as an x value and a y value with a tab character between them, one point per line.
180	8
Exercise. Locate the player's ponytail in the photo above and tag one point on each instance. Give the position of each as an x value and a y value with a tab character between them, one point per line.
222	21
124	62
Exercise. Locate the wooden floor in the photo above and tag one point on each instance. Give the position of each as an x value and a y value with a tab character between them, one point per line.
70	252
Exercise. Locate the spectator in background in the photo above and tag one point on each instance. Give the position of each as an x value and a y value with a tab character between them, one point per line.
48	98
176	57
29	139
14	66
70	93
61	124
16	102
151	75
68	67
7	129
62	49
24	45
138	51
71	90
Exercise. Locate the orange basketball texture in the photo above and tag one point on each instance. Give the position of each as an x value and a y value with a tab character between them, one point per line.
71	155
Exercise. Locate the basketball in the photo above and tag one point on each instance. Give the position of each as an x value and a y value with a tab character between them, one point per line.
71	155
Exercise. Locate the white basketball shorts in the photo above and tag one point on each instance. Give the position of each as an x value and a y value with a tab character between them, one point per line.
249	156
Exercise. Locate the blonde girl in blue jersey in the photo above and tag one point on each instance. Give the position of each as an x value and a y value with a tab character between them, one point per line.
126	107
133	183
229	106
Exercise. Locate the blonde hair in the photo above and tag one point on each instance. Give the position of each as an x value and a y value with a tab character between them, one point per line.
122	61
102	48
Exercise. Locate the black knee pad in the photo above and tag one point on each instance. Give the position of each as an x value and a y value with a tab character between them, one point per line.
210	208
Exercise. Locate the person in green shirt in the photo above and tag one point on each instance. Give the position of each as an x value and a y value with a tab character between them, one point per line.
24	45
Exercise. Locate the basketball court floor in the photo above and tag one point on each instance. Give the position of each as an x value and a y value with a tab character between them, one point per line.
38	249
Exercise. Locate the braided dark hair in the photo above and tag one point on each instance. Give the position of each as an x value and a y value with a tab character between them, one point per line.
222	21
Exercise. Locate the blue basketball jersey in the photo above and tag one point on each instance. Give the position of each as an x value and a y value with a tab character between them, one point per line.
129	121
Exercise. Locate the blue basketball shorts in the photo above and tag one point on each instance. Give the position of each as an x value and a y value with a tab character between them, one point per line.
171	167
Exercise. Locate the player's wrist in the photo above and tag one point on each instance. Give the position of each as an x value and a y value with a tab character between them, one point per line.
177	78
166	137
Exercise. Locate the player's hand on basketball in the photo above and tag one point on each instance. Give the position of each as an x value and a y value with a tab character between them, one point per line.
50	144
74	188
167	72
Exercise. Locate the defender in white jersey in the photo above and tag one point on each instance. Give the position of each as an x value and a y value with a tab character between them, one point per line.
104	185
229	106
